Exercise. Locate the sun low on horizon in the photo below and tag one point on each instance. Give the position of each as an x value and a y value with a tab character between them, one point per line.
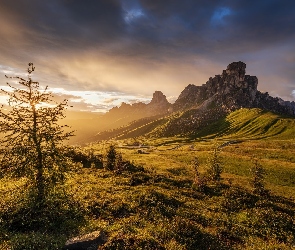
98	54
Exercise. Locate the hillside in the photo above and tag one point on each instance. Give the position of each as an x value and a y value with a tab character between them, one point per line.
253	123
243	123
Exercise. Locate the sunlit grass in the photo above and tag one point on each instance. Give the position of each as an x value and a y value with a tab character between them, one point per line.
159	207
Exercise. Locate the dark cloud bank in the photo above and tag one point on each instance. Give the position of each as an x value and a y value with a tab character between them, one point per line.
187	41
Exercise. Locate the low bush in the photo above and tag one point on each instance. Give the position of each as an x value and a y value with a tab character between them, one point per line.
236	199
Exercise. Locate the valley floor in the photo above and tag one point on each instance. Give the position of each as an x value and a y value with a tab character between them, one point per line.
154	203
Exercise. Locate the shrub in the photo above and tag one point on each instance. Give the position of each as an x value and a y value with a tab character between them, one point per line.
115	160
199	181
111	158
214	168
236	199
258	173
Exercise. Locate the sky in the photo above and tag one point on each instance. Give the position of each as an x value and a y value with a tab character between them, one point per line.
99	53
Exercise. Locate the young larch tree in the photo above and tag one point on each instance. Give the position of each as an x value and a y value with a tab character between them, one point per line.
32	141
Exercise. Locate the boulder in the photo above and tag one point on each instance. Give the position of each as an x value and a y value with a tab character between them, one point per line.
89	241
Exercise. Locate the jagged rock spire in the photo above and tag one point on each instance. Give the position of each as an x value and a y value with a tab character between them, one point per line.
159	98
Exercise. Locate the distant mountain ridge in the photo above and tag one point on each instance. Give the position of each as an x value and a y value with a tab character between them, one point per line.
158	106
231	90
195	108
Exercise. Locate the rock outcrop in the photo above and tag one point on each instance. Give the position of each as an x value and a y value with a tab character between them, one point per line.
158	104
231	90
159	99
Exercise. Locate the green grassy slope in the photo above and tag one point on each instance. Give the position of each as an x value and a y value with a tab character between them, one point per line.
250	124
134	129
243	123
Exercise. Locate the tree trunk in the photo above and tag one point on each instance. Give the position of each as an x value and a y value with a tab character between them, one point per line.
40	181
40	186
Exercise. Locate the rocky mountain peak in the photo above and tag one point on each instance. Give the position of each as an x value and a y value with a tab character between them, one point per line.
236	69
159	98
231	90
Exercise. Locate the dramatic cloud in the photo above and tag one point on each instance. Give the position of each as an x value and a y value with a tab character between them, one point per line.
92	100
135	47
